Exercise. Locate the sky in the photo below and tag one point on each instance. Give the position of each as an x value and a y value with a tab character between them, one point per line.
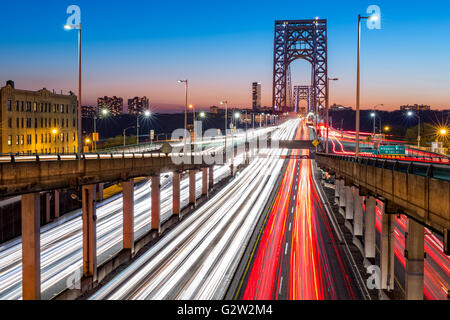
142	47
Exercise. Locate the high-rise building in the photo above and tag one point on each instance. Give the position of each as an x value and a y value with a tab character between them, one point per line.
37	122
415	107
256	96
113	104
88	111
138	105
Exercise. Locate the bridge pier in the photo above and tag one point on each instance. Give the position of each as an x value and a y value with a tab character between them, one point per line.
211	178
369	227
176	193
192	188
349	203
358	214
31	247
128	215
48	207
232	169
342	197
337	184
414	255
204	181
156	203
100	193
89	217
57	206
387	249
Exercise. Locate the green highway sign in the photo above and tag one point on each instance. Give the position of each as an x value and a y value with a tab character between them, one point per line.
370	151
392	150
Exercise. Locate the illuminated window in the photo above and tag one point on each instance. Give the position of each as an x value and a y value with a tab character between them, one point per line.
21	140
9	140
35	106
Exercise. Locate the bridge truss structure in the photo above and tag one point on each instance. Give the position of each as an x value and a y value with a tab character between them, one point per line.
300	39
302	93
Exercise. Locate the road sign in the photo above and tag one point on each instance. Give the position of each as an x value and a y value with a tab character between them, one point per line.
370	151
392	150
95	136
315	143
152	134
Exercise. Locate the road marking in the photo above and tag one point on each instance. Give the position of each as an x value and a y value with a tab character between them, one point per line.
292	211
285	250
295	197
281	284
290	225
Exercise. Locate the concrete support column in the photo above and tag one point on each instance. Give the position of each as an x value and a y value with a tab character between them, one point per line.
31	247
48	207
176	193
156	203
100	191
232	169
192	188
337	184
211	178
128	215
204	181
89	217
342	194
414	261
387	251
57	206
369	227
358	214
349	203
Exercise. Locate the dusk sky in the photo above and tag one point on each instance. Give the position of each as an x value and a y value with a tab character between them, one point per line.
135	48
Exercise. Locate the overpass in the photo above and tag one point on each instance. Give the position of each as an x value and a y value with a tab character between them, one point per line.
419	191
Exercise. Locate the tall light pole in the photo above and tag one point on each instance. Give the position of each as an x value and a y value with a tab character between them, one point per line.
374	116
78	27
328	109
186	82
226	121
410	114
104	114
147	114
358	80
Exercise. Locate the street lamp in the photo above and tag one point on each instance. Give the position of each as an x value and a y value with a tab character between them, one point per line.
186	82
374	116
226	121
124	135
358	80
328	107
147	114
78	27
104	113
412	114
387	129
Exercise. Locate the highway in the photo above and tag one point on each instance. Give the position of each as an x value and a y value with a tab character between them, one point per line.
437	264
61	243
197	259
298	256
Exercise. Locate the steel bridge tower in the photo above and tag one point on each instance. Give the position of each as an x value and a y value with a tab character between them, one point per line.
300	39
302	93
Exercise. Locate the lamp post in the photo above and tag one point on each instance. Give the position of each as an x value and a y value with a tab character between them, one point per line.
358	81
328	108
124	135
374	116
226	121
104	114
410	114
147	114
186	82
78	27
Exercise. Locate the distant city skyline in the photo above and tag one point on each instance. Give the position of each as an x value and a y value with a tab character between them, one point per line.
222	49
